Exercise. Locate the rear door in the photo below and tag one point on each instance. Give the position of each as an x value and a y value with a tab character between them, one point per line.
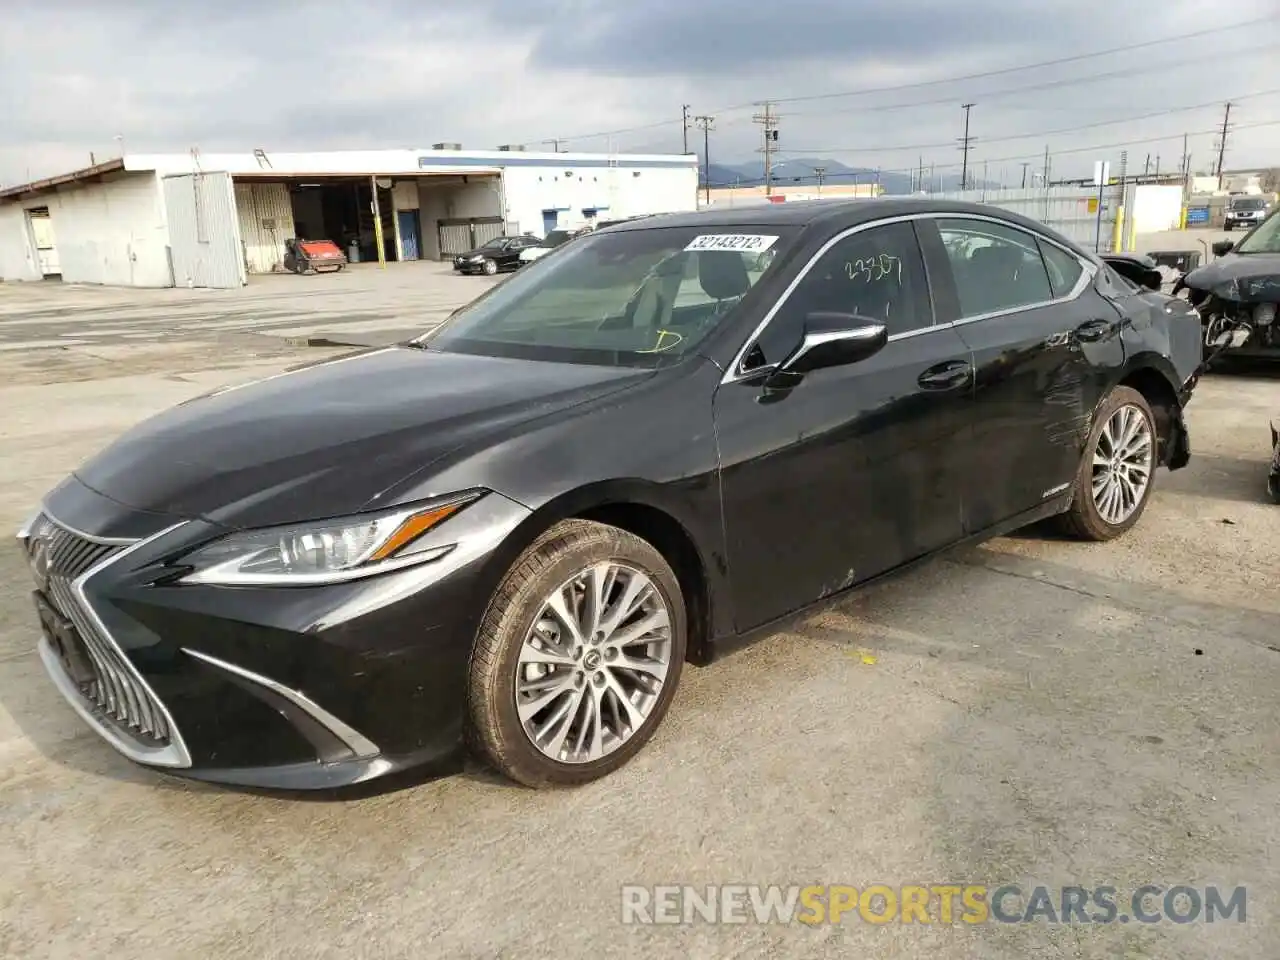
856	469
204	231
1045	346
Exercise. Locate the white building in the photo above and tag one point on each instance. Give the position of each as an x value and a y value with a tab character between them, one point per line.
162	220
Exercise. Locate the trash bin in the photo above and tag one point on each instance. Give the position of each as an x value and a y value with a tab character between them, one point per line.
1183	260
353	252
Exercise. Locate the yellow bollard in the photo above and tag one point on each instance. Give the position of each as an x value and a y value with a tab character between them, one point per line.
1117	235
1182	219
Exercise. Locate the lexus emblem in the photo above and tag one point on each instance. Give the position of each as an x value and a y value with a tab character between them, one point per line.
40	562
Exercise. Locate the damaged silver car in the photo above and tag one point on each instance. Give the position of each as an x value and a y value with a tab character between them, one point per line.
1238	293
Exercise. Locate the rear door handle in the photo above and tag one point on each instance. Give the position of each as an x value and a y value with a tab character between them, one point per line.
946	376
1093	330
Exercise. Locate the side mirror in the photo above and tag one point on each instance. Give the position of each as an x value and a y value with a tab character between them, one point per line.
834	340
1222	246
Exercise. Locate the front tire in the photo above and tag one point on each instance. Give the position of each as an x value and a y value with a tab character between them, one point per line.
1117	471
490	268
578	657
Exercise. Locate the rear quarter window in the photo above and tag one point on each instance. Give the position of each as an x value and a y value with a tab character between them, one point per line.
1064	269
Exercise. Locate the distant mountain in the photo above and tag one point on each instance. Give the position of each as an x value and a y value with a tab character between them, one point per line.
802	172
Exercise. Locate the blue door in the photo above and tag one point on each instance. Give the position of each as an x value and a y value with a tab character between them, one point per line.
410	243
550	220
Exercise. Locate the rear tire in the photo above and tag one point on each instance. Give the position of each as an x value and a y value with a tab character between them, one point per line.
555	703
1117	472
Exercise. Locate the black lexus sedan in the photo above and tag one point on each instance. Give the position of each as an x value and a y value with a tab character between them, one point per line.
510	535
492	256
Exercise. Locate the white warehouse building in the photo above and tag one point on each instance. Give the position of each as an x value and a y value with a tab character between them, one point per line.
163	220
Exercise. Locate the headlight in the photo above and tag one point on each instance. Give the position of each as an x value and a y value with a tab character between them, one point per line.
326	551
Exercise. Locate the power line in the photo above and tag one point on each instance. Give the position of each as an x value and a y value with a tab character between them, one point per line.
1039	133
1127	48
640	128
1179	65
1092	148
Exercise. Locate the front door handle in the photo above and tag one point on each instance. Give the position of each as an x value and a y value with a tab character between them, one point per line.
1092	331
946	376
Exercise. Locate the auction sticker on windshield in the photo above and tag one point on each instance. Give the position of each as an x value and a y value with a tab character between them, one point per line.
740	242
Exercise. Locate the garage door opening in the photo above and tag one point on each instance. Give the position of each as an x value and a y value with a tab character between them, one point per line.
40	226
342	211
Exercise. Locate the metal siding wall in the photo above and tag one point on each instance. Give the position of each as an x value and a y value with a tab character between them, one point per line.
454	239
1065	209
487	231
257	205
204	233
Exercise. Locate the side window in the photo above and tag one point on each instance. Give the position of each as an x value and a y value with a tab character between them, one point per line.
876	273
996	267
1064	269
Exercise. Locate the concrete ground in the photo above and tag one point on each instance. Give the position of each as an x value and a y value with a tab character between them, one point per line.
1031	711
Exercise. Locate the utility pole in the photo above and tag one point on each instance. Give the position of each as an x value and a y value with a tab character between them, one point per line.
964	145
685	122
1046	166
920	176
705	124
1025	164
820	173
1222	140
1184	164
1157	165
1146	167
769	121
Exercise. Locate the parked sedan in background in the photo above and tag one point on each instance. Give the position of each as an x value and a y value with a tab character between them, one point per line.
500	253
541	248
511	534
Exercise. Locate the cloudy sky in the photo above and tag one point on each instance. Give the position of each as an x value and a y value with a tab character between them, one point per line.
869	83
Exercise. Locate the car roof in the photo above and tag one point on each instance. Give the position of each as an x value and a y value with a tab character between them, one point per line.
837	214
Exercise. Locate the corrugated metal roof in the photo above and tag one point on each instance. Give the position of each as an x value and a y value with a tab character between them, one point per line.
41	186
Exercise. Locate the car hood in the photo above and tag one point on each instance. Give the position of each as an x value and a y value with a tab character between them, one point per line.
327	438
1248	277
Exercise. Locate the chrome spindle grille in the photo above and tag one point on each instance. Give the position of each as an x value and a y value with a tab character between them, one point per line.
115	688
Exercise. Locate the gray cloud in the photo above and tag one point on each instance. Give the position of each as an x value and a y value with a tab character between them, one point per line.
74	74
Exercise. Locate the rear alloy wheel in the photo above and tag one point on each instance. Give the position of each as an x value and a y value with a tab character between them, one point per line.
490	267
578	657
1117	471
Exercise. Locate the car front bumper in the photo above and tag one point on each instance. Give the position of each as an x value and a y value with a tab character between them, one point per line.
295	688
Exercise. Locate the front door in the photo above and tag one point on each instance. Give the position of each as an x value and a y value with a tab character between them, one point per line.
410	243
852	471
1045	345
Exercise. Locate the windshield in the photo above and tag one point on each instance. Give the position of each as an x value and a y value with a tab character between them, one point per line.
1252	204
555	238
639	298
497	243
1264	238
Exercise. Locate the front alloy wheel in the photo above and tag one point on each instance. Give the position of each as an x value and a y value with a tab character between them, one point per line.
490	267
1115	477
578	657
593	665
